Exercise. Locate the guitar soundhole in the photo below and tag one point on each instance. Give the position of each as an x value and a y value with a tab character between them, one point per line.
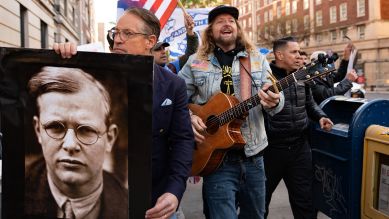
212	124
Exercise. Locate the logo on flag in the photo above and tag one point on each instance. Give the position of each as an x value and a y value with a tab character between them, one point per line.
162	9
174	31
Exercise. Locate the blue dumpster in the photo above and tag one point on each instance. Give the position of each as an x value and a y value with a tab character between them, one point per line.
337	155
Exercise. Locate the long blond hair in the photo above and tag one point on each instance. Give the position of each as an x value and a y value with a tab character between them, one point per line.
208	43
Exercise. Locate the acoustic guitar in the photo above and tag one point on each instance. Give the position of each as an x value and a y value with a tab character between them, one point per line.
224	114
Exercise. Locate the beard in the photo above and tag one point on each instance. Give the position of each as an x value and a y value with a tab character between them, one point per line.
226	36
226	41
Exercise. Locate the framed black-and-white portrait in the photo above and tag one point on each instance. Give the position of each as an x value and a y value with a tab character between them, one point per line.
61	119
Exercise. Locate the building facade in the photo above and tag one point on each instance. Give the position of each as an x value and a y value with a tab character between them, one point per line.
325	25
40	23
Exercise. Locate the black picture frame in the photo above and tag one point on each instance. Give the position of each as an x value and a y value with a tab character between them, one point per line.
128	79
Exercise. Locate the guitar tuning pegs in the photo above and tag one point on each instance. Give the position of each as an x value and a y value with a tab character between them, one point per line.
325	69
308	76
317	73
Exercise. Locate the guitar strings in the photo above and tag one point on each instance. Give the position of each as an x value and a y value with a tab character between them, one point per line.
240	108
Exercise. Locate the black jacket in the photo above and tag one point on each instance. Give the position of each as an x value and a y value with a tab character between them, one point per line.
288	127
322	89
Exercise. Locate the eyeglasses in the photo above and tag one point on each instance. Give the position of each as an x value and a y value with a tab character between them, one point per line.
84	133
123	34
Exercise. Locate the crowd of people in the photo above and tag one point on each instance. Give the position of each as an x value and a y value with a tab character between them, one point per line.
275	132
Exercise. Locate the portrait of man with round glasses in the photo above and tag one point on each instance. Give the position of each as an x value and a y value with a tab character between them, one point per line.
73	125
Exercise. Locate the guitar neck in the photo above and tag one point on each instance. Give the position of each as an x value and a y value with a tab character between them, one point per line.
243	107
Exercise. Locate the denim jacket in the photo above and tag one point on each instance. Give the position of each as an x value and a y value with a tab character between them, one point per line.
203	80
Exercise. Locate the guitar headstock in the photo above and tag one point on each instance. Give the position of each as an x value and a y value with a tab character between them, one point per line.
321	67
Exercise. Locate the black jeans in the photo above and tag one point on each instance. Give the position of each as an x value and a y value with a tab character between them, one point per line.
294	165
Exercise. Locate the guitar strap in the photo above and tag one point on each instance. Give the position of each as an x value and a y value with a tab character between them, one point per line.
245	78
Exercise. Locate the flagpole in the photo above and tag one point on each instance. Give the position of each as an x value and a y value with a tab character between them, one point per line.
182	7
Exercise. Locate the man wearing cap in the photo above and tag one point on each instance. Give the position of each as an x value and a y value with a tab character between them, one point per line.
160	56
159	52
216	68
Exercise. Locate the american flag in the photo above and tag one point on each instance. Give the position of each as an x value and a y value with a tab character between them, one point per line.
163	9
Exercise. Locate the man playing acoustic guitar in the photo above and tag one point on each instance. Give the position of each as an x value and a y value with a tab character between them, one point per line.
228	62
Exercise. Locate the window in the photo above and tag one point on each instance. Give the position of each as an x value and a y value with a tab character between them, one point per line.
23	27
361	32
279	11
319	38
244	23
333	14
294	25
319	18
249	22
258	4
361	8
250	35
265	17
76	17
343	34
73	16
86	15
56	38
306	41
258	19
279	29
266	32
318	2
288	27
249	8
333	35
270	14
306	4
294	6
287	8
343	12
306	22
44	34
65	8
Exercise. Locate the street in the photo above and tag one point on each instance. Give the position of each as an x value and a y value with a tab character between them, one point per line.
192	204
279	207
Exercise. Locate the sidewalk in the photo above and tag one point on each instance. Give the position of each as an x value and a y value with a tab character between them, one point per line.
192	204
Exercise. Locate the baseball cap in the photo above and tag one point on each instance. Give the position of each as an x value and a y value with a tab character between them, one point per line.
223	9
160	44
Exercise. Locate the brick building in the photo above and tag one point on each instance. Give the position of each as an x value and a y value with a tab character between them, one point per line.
323	25
40	23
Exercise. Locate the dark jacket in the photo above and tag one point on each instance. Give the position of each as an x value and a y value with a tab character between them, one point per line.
40	203
173	140
288	127
322	89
